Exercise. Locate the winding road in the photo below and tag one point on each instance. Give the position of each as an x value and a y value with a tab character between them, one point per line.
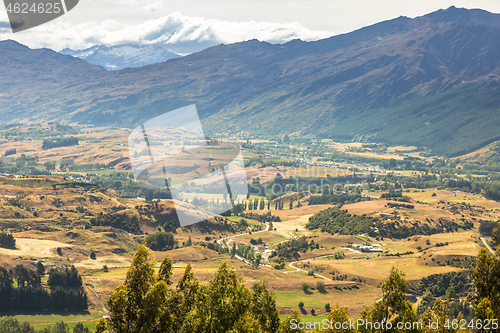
487	246
221	242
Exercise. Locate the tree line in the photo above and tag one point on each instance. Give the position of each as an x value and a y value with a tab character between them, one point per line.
119	221
343	198
150	303
161	241
59	142
65	294
12	325
335	220
261	217
400	205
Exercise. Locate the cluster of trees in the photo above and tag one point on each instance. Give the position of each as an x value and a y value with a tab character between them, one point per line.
20	132
339	255
392	193
161	241
256	204
486	227
343	198
68	278
65	292
466	262
9	152
119	221
492	190
257	241
280	264
334	220
165	217
145	303
400	205
243	250
217	247
122	182
261	217
291	249
83	167
440	284
59	142
7	241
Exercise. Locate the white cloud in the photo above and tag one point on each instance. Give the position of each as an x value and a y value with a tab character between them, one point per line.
147	5
174	29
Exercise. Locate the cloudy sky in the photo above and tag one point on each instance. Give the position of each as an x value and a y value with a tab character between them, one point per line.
210	22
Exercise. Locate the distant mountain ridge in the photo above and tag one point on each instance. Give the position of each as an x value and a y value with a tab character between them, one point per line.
122	56
429	81
21	67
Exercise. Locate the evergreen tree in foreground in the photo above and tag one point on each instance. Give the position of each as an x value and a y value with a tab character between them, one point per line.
145	303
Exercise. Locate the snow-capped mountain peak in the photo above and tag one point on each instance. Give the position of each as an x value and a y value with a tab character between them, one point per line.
122	56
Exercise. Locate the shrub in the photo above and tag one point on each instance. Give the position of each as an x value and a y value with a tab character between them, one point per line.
10	152
7	241
321	287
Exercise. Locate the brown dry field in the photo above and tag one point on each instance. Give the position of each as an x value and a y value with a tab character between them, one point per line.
265	174
286	286
36	248
101	147
76	242
376	269
434	208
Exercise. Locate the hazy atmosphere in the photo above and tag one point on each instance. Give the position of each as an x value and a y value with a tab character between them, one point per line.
249	166
112	22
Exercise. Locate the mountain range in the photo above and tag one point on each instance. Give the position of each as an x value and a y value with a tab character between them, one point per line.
122	56
431	81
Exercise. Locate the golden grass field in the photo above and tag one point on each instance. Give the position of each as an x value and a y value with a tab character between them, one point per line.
60	225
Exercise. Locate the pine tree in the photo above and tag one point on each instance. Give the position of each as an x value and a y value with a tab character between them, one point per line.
79	328
393	306
233	250
485	282
145	304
